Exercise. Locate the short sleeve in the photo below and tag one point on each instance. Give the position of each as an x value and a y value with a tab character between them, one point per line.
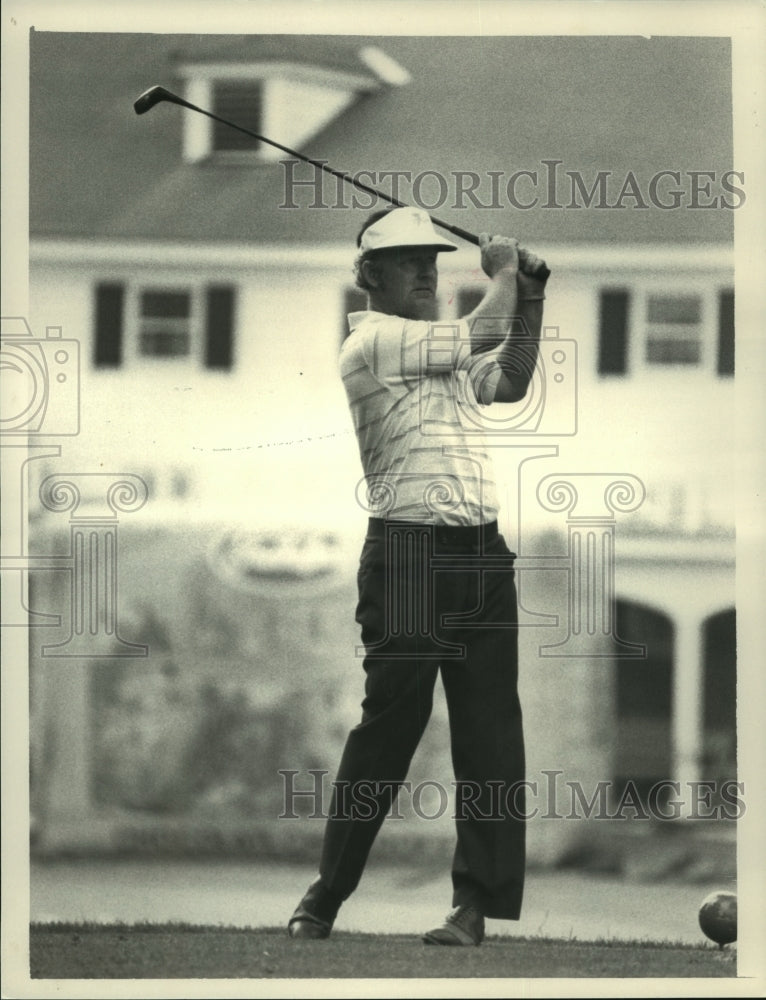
401	352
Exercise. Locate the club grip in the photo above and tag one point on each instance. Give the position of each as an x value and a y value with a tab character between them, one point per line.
542	272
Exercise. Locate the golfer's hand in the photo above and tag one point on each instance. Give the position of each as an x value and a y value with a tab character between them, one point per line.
530	263
498	253
528	284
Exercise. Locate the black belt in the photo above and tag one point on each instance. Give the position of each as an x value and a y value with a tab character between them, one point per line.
443	534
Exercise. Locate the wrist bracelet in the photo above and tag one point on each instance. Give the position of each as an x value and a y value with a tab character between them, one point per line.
533	298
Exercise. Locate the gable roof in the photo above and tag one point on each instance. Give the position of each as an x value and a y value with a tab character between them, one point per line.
316	50
481	104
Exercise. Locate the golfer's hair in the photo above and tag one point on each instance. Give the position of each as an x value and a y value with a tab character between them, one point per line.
361	258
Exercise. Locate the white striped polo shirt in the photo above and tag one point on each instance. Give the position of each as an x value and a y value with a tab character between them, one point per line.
412	401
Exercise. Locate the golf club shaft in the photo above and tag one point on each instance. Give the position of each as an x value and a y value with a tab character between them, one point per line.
155	95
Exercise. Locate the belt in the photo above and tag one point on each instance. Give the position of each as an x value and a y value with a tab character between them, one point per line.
459	536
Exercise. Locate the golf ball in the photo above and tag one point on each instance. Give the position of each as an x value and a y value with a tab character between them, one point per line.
718	917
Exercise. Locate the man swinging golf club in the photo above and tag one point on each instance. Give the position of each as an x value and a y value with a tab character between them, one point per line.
436	580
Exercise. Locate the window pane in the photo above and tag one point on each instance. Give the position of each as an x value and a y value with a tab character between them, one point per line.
673	351
164	343
240	102
166	304
674	330
674	309
165	328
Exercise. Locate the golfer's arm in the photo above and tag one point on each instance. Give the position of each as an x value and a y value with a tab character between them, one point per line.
490	321
517	357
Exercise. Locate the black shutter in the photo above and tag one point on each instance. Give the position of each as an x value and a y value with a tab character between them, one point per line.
219	327
613	332
726	332
109	318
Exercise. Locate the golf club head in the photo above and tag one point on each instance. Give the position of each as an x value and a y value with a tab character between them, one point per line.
152	96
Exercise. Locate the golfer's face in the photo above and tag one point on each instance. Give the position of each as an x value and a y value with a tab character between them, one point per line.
407	283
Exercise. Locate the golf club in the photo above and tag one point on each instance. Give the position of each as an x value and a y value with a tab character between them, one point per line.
155	95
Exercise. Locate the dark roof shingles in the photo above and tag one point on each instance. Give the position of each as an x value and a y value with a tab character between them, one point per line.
481	104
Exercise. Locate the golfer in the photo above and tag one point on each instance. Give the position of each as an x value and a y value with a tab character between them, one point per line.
436	579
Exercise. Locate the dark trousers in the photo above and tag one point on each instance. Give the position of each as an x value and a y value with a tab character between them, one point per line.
437	599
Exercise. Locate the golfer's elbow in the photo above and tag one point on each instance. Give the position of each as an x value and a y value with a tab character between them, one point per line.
517	392
511	388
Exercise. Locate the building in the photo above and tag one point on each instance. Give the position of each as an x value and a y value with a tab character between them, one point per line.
205	278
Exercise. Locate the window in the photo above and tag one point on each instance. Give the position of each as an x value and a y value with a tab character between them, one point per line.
289	102
161	325
644	330
165	324
674	334
239	101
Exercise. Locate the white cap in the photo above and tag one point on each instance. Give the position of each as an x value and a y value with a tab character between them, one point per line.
403	227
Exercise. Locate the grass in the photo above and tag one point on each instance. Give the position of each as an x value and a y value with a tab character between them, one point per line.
181	951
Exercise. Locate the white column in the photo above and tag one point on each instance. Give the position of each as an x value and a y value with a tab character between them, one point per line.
197	129
67	712
687	720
